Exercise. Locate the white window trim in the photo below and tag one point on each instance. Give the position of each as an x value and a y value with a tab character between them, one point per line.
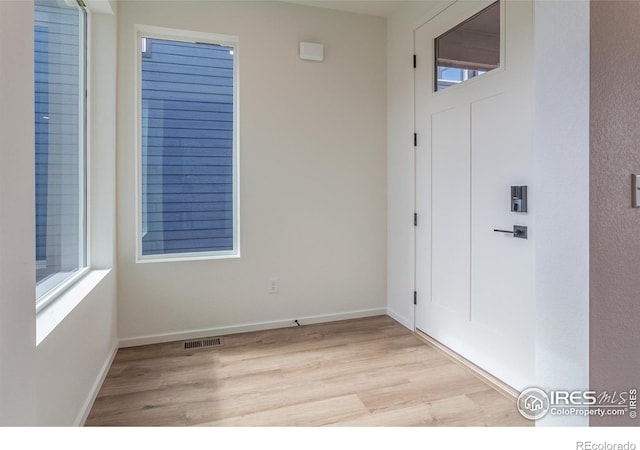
185	36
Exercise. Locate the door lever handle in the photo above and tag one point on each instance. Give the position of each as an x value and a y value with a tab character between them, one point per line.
519	231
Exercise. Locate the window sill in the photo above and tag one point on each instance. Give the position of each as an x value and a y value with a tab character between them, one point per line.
53	314
187	257
56	285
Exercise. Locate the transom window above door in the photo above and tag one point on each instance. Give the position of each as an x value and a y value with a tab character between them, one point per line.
469	49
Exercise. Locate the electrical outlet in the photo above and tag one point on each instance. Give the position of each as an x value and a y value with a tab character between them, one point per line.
274	285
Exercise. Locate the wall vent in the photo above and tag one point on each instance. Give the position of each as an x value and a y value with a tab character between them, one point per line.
202	343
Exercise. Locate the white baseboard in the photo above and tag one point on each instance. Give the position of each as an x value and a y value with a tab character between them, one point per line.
400	319
88	403
244	328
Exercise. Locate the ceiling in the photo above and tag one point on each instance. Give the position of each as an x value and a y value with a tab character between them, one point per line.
381	8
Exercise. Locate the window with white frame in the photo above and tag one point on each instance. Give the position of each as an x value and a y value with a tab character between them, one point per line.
60	161
188	149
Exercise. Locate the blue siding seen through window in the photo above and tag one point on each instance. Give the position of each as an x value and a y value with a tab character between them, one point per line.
59	142
187	147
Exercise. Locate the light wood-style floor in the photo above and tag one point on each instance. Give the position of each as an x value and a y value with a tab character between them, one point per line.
363	372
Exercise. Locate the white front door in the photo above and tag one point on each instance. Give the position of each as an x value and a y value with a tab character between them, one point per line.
475	287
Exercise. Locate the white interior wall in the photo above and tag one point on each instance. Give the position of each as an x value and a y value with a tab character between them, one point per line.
562	198
53	383
17	216
312	176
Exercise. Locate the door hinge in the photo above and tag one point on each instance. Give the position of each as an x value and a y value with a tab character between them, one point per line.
415	63
415	219
415	139
415	297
